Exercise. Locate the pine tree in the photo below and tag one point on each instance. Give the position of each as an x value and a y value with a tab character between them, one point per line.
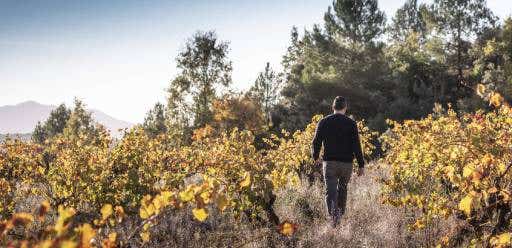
53	126
266	91
358	20
460	21
155	122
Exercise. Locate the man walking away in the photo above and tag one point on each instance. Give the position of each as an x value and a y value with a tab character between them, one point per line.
340	138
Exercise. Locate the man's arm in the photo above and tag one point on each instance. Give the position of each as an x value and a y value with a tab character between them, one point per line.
317	141
356	147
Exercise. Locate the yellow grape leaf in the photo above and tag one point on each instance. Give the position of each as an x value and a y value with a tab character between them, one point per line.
287	228
496	99
86	235
222	202
68	244
110	242
502	167
467	171
187	195
505	195
419	224
112	237
206	196
504	238
166	196
487	159
157	202
450	172
146	226
295	180
45	244
64	214
143	213
200	214
144	236
247	180
106	211
465	204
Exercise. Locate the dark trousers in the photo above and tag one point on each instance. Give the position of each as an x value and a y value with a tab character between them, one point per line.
336	177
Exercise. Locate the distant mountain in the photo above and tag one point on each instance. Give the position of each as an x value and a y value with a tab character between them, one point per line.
21	136
23	117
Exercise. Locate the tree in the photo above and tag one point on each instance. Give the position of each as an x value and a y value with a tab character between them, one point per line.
460	20
344	58
155	122
80	122
53	126
358	20
493	63
266	91
237	111
204	67
507	46
420	77
410	18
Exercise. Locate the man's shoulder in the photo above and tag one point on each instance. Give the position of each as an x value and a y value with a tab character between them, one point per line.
328	118
336	119
349	119
339	117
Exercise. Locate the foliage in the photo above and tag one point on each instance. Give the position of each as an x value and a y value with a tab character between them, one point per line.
204	67
149	175
435	53
343	58
410	18
266	91
493	64
201	153
155	122
64	232
21	163
81	123
292	153
359	21
459	20
448	165
53	126
237	111
79	171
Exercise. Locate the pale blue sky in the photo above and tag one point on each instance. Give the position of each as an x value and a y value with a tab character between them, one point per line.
118	55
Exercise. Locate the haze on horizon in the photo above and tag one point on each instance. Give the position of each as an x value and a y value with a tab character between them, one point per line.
118	56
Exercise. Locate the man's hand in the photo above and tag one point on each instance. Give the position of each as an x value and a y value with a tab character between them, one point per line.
360	171
318	162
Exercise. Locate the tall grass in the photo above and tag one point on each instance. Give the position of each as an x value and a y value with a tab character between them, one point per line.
367	222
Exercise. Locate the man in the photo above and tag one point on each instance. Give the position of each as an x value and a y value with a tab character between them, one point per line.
340	137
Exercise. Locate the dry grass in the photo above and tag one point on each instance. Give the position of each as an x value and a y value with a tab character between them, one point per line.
367	223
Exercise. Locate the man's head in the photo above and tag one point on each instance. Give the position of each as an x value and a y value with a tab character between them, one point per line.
339	105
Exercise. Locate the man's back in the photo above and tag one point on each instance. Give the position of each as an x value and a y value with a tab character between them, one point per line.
340	138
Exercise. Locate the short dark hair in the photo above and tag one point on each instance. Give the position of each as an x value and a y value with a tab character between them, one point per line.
339	103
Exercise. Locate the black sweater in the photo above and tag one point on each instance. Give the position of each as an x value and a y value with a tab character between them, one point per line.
340	138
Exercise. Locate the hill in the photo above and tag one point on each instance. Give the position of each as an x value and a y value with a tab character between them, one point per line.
23	117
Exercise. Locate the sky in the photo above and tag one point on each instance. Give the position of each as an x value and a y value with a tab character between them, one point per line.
118	56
